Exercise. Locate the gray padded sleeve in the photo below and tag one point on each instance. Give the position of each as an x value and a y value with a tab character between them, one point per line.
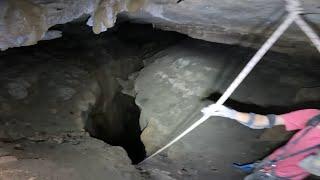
272	120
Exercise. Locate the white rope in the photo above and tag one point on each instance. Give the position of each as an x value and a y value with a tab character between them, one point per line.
314	38
257	57
294	6
294	9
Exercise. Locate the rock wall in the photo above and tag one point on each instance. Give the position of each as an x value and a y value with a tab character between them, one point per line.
49	91
177	82
245	23
44	99
24	23
172	88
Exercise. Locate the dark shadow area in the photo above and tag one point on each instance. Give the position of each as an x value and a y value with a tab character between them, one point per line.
245	107
148	39
119	126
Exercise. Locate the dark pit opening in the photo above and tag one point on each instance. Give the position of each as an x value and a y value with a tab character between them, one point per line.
119	126
115	116
247	107
105	58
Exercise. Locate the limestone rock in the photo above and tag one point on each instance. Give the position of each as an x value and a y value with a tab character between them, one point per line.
169	92
66	93
245	23
7	159
52	35
158	174
308	94
18	88
177	82
23	23
3	152
65	161
104	15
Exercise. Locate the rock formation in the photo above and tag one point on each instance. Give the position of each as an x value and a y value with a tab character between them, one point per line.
245	23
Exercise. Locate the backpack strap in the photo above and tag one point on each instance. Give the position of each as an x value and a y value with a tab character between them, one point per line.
314	121
298	152
272	162
272	120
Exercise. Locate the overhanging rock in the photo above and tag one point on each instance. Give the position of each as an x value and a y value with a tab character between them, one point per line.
244	23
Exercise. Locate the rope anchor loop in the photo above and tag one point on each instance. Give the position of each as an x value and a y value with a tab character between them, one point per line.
294	6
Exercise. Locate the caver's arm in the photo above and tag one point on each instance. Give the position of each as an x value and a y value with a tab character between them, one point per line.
251	120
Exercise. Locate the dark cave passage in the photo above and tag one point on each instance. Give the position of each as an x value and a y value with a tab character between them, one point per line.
115	116
119	126
247	107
